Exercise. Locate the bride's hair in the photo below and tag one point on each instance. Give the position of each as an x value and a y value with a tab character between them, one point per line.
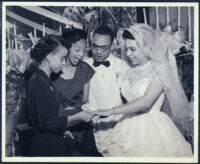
144	36
127	35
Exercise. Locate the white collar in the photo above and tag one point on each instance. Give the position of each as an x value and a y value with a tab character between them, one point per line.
109	58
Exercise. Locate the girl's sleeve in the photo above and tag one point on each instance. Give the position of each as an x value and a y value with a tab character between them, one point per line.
87	71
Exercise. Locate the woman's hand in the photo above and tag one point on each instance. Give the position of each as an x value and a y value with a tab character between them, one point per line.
85	116
99	116
102	112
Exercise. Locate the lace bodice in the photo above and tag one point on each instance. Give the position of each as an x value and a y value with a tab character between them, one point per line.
137	80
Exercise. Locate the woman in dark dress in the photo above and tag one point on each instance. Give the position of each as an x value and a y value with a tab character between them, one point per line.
43	106
70	88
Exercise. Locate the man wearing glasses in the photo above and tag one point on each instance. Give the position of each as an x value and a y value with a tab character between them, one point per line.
104	87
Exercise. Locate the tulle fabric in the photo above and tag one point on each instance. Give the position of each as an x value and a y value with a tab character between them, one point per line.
169	77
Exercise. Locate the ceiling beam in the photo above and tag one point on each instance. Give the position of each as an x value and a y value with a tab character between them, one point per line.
31	23
53	16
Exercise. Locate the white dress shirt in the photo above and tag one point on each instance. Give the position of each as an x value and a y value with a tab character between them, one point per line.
104	93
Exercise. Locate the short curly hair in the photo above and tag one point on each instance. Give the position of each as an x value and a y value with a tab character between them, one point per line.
46	45
105	30
73	35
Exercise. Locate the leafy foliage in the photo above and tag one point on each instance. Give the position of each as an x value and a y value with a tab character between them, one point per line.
15	91
186	72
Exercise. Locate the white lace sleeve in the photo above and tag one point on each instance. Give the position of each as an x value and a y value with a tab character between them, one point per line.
160	76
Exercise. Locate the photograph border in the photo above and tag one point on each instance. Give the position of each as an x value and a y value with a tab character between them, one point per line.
104	159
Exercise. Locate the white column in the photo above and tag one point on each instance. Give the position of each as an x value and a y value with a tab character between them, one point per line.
179	17
189	25
157	19
15	36
43	30
168	20
35	33
145	16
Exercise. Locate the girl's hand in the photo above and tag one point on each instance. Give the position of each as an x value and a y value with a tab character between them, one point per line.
85	116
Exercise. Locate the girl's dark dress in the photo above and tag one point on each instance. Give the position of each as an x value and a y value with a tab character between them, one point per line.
43	115
70	93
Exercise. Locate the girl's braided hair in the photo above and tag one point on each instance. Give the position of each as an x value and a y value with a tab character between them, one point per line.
46	45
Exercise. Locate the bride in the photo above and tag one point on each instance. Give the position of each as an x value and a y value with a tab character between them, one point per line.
144	130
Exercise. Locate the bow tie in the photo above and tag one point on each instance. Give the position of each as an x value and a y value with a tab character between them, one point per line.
105	63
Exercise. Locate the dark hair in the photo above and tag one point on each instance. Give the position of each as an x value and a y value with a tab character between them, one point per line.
46	45
104	30
127	35
72	36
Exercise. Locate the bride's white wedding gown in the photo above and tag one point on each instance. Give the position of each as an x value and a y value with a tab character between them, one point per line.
151	134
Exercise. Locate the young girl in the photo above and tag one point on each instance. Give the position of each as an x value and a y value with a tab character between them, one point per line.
43	106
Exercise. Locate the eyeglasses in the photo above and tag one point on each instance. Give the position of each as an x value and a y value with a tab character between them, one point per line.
102	48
